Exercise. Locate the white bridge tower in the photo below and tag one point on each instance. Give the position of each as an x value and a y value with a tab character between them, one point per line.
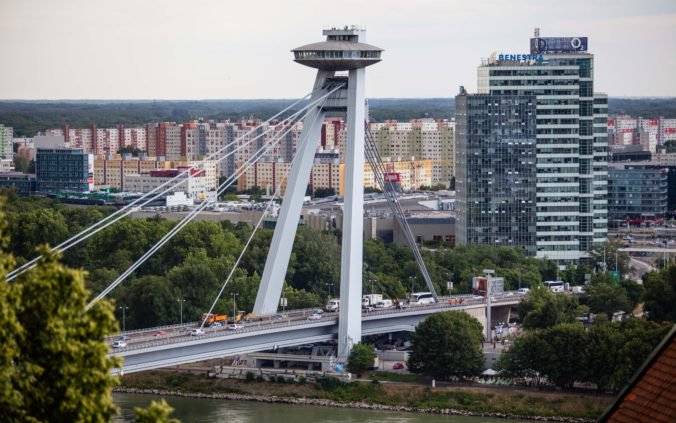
343	50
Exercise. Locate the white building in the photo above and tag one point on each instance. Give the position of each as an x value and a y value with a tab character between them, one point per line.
195	185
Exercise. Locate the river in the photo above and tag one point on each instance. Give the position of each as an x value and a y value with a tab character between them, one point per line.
193	410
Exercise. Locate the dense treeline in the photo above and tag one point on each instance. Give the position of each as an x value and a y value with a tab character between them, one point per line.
195	263
29	117
556	346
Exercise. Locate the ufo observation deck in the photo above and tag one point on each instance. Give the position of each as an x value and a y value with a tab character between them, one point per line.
340	52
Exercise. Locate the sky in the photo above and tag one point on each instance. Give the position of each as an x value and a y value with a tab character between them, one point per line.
229	49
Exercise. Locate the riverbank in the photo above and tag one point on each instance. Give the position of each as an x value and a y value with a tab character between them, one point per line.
399	397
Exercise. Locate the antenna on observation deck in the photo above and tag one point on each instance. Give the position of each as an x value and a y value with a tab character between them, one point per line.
537	33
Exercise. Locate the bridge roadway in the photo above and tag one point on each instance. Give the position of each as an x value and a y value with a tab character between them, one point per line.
172	345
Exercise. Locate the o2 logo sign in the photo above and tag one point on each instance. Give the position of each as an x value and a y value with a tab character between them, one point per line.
559	44
576	43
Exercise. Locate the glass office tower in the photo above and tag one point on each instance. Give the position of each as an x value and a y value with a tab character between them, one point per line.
62	169
495	170
571	141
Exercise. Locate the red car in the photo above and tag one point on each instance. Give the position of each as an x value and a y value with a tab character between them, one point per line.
398	366
159	333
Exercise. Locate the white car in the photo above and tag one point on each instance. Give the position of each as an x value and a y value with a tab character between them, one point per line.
120	344
235	326
314	316
523	291
196	332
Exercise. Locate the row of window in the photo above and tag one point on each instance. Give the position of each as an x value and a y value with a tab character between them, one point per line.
337	54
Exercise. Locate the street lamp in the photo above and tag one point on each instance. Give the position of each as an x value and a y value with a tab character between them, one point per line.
124	317
180	302
234	305
330	285
411	278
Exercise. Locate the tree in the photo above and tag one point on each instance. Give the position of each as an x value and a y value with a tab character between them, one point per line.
567	343
324	192
557	353
54	359
157	412
606	254
604	342
660	294
527	356
361	359
607	298
21	164
543	309
447	344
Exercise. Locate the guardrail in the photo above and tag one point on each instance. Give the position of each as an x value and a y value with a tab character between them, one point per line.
224	332
268	321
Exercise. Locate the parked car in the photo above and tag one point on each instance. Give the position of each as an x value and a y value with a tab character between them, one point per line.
314	316
120	344
235	326
398	366
196	332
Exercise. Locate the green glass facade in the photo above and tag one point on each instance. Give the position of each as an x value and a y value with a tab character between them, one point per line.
61	169
495	168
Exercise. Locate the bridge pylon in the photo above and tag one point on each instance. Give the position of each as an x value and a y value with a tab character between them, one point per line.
343	50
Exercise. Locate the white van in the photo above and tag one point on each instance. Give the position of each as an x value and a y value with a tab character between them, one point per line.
384	304
333	305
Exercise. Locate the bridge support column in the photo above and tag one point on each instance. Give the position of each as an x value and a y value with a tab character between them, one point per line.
349	323
277	262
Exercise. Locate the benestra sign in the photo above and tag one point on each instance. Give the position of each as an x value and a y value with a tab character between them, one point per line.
520	57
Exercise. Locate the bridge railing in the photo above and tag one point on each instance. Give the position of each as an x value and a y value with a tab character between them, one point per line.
269	322
224	332
265	317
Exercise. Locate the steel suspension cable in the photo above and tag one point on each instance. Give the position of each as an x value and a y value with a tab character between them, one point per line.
198	209
253	233
378	167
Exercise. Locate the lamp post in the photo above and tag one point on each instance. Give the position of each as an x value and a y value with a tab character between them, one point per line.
411	278
180	303
234	305
372	284
519	279
124	317
330	285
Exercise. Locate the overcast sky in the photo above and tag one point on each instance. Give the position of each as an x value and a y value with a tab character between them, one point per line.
218	49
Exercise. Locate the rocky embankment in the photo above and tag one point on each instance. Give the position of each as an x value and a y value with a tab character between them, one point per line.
331	403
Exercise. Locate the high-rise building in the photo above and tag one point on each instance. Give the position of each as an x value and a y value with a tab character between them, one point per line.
62	169
636	192
496	173
571	142
6	145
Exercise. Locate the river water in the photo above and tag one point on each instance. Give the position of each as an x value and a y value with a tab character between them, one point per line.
190	410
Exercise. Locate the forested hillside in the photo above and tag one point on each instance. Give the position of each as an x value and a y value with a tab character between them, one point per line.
29	117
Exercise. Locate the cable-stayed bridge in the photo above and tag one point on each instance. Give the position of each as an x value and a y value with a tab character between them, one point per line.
340	61
175	345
